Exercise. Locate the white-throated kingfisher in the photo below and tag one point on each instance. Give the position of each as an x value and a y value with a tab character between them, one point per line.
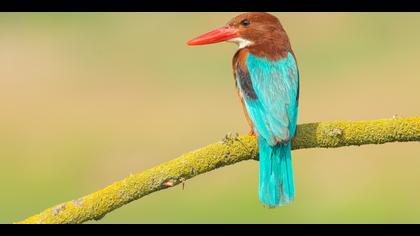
267	79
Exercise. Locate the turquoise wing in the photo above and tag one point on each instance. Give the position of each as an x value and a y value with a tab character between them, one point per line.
271	90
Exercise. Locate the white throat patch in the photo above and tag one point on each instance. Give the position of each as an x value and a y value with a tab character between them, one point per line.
240	42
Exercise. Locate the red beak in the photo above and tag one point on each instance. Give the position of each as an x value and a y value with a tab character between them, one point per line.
215	36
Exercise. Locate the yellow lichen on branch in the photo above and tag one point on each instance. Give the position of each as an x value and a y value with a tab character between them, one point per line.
231	150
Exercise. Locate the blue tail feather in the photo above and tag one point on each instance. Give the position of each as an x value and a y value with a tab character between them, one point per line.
276	175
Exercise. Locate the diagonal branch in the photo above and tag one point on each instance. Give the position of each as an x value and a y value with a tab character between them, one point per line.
230	151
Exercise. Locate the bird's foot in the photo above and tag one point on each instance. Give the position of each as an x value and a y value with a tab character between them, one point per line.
251	133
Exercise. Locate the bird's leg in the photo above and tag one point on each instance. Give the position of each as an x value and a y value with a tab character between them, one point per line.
251	133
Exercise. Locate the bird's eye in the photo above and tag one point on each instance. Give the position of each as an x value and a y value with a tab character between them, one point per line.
245	22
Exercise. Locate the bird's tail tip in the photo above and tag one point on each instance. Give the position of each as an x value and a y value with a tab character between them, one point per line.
276	175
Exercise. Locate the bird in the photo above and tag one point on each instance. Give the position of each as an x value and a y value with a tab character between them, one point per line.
266	78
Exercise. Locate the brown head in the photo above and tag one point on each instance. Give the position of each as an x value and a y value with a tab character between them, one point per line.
260	33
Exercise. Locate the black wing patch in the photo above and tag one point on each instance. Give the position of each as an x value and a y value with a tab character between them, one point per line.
246	83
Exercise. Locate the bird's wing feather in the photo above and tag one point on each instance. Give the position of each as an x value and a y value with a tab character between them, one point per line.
270	90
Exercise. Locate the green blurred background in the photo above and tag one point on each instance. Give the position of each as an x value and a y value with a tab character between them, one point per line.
88	98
